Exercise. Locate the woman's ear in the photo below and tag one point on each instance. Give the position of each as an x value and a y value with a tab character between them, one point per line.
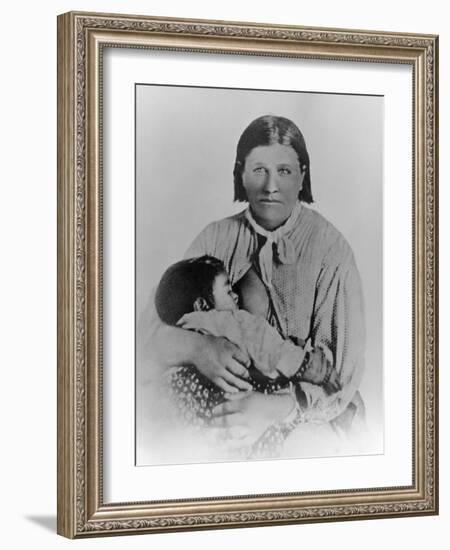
201	304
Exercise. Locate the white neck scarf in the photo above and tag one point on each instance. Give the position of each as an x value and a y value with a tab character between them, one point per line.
285	249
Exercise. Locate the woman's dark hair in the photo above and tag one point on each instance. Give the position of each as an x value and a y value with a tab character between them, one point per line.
184	282
268	130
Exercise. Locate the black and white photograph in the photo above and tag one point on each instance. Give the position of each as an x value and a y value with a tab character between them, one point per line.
247	274
258	274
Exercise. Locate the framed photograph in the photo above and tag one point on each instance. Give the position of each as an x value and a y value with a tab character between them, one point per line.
247	274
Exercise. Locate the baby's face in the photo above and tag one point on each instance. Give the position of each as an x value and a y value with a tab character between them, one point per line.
224	297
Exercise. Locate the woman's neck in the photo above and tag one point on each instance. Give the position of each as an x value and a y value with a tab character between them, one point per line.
267	225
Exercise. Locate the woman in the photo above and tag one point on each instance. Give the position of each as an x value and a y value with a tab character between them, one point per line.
291	266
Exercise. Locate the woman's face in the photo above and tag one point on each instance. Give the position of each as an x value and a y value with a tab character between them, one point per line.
272	179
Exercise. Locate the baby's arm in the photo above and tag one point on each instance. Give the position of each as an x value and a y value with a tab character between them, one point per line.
281	360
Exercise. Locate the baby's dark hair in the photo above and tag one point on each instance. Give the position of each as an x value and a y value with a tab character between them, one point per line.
184	282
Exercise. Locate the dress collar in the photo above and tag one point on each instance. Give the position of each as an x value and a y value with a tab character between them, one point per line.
276	241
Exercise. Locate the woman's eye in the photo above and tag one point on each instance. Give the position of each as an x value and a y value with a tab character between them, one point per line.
259	170
284	171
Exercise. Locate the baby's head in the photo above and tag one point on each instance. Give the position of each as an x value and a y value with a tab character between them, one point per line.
197	284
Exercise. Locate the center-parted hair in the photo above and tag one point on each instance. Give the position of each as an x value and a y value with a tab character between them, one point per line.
269	130
184	282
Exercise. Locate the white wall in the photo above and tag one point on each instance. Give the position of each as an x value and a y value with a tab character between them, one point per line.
28	275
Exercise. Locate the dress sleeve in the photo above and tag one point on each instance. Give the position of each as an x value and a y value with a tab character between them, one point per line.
337	333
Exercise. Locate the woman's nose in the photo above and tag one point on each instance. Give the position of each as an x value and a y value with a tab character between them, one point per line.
271	183
235	297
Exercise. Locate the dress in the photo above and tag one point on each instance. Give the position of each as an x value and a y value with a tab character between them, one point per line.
314	293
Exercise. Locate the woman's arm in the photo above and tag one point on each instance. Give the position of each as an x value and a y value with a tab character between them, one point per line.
215	357
162	346
337	336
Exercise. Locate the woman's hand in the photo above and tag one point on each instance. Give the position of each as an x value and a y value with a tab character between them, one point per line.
216	358
223	363
245	417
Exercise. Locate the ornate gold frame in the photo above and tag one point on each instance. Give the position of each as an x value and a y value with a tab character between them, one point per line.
81	37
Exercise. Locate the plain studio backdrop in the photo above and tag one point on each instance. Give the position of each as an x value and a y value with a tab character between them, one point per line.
28	224
186	141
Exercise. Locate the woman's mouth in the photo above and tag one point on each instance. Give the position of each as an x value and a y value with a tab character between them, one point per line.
269	201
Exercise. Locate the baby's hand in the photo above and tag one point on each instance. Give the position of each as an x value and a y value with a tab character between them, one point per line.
320	371
223	363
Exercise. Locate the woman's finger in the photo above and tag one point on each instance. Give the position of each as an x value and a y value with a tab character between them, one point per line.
218	410
237	369
235	381
241	357
237	395
227	407
223	385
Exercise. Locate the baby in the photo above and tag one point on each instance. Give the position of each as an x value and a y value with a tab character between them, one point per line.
196	294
